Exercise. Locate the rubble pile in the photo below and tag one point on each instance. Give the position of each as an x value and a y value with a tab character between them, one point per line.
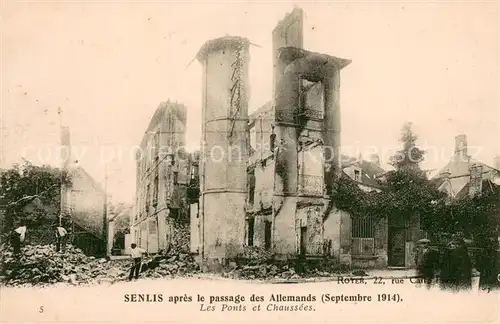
41	264
175	260
254	255
174	264
262	271
280	270
259	263
181	241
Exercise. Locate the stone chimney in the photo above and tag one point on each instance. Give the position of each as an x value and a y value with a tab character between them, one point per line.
476	179
496	162
461	148
374	158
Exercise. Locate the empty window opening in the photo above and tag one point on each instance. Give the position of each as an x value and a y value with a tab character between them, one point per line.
267	234
251	227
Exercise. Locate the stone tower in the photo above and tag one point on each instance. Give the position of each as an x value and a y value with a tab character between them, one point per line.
224	147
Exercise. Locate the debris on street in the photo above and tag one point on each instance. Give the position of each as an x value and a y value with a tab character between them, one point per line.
181	264
41	264
175	260
259	263
277	270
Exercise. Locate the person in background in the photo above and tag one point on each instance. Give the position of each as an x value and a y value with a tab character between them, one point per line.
61	235
17	237
446	275
463	266
428	263
487	264
456	272
136	254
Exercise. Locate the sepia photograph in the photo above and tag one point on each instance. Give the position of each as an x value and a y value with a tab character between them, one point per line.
229	161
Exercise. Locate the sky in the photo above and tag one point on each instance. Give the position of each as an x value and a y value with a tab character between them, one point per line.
108	65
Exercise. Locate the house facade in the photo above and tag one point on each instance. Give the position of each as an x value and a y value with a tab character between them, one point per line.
165	173
272	187
462	175
86	205
82	203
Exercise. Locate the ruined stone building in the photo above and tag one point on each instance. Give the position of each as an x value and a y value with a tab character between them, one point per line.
164	178
265	177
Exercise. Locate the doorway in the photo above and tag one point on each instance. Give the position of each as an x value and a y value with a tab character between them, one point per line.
303	241
251	227
396	246
267	234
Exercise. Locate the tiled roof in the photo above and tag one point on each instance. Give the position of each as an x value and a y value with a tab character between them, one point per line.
464	192
472	161
459	178
438	181
369	171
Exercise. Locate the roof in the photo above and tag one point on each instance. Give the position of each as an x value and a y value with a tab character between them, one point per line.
470	162
369	171
81	171
464	192
473	161
459	174
125	211
179	110
437	181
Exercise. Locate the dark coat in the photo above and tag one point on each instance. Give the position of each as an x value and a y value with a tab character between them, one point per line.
428	264
488	265
456	270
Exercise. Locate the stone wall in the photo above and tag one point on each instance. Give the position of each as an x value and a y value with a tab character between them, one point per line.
284	235
223	231
381	242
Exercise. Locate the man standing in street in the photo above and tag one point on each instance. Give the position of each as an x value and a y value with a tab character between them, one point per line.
136	254
17	237
61	235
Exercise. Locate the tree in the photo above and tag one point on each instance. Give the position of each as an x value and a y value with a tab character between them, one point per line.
406	191
24	184
412	194
475	217
408	195
410	155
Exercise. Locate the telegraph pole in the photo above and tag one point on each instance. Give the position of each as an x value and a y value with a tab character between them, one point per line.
63	191
105	233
